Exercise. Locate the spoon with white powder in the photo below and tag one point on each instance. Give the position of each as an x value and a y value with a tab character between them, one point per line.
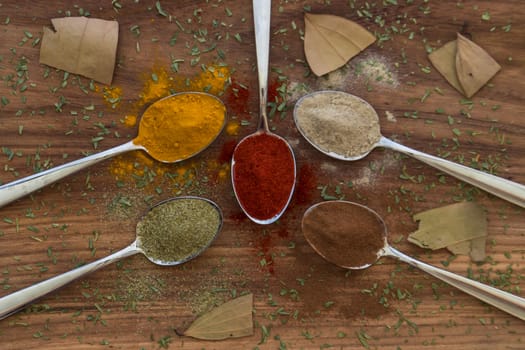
346	127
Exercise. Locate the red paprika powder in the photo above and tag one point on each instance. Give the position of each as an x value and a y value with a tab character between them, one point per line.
263	172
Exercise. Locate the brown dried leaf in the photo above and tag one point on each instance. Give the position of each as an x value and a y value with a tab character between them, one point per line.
80	45
465	65
475	248
474	66
330	41
444	60
232	319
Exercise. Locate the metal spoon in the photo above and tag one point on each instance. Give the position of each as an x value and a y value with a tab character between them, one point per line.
16	301
333	243
21	187
503	188
261	16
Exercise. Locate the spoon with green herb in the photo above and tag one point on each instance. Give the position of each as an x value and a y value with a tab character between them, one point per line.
346	127
353	236
170	233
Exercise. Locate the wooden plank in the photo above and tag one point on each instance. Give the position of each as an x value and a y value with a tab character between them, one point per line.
300	300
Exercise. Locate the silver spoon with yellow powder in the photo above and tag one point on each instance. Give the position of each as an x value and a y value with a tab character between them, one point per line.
172	129
171	233
346	127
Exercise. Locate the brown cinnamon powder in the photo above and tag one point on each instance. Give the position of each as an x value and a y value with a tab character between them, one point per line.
344	233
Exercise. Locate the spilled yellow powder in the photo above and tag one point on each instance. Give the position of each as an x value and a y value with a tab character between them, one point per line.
140	168
212	80
232	128
221	171
157	86
160	84
112	95
224	171
130	120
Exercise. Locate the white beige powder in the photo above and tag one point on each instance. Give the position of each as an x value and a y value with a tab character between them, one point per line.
338	123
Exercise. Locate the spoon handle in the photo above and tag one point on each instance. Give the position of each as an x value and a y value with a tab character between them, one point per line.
503	188
262	10
505	301
21	187
16	301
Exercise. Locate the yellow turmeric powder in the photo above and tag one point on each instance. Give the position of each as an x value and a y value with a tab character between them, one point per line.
212	80
158	83
157	87
112	96
180	126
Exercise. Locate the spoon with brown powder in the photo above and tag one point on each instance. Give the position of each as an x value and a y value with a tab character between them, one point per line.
171	233
346	127
353	236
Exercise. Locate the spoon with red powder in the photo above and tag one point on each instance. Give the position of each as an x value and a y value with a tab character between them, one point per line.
353	236
263	164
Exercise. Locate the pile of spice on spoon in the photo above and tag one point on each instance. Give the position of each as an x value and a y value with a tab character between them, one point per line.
338	123
181	125
263	173
178	229
349	242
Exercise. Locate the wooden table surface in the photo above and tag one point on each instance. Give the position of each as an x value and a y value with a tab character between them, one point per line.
300	301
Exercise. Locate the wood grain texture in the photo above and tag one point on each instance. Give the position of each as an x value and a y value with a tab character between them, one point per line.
300	300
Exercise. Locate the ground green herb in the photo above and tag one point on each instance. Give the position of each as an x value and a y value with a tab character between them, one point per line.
178	229
160	10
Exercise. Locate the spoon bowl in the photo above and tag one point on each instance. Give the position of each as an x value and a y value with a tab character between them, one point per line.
270	149
350	131
149	122
14	302
342	231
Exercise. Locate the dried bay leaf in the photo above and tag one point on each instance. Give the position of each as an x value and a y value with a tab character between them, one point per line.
80	45
232	319
330	41
475	248
450	226
474	66
465	65
444	60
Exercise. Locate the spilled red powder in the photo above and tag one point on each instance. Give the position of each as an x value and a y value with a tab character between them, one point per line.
264	244
282	232
237	217
273	94
227	151
306	185
237	97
